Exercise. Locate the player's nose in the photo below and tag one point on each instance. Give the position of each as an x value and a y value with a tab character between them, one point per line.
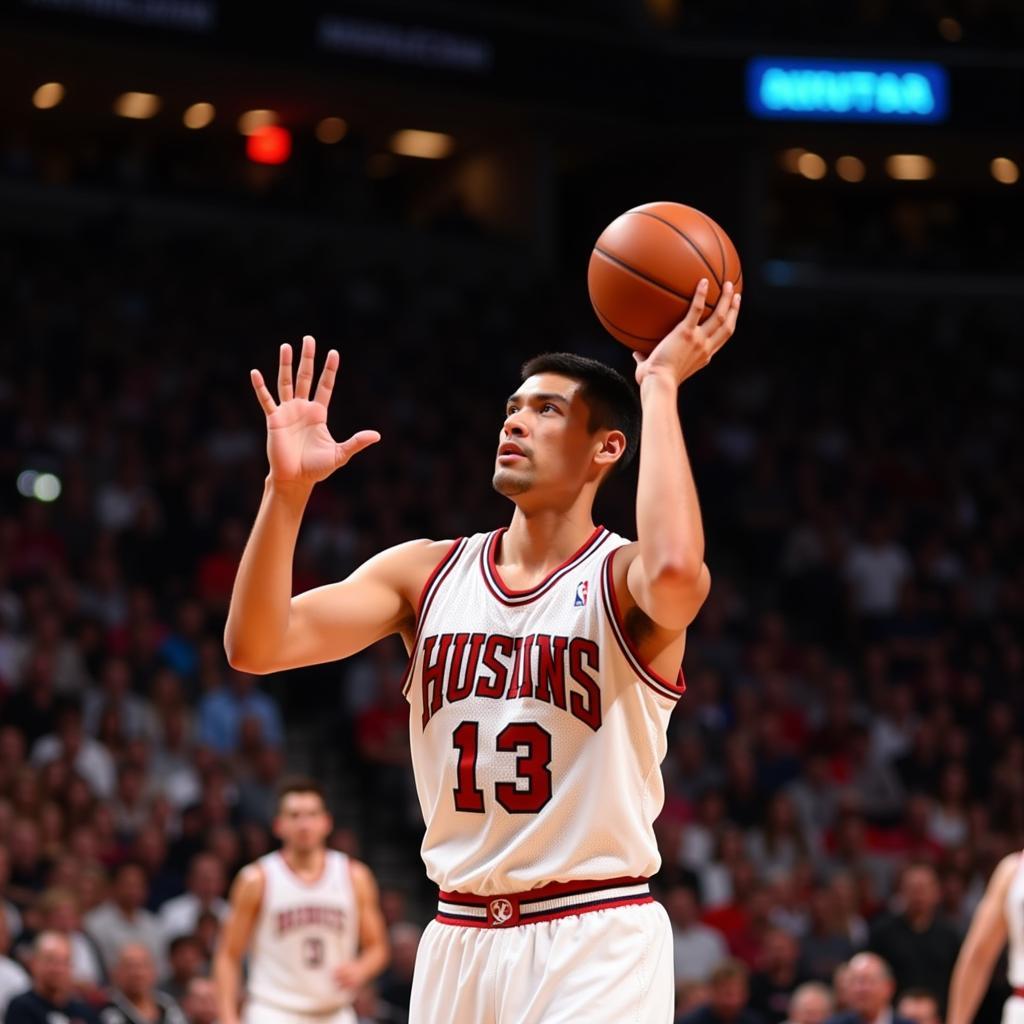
513	426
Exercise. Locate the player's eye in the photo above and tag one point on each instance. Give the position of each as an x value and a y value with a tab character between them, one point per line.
511	409
549	405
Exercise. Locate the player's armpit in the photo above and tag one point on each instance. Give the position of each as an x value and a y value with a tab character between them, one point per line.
660	648
340	619
670	600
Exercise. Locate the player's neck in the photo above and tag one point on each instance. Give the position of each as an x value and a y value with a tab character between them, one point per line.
306	863
538	542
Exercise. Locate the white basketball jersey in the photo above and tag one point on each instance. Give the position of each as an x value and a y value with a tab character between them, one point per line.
1014	910
536	732
303	932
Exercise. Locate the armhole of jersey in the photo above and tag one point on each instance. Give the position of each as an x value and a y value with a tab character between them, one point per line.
660	685
434	580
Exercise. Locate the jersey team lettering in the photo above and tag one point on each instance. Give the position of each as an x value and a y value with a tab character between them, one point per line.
301	917
558	670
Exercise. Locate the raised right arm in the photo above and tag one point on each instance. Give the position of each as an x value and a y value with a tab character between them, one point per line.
269	630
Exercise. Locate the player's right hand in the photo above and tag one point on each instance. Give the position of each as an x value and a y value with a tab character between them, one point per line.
300	448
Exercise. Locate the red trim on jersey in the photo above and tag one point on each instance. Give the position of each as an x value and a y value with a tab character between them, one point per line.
517	905
656	682
446	563
1019	993
489	568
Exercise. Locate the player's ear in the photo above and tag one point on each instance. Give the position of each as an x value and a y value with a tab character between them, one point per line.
613	447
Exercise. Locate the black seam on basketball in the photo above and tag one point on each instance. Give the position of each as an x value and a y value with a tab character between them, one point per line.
682	234
721	248
619	262
639	337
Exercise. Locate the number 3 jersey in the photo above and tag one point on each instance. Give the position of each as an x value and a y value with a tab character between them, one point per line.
536	731
304	932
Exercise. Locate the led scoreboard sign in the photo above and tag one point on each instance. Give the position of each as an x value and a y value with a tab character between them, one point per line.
824	89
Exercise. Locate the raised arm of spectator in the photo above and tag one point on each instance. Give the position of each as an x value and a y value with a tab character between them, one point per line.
267	629
982	946
235	936
374	948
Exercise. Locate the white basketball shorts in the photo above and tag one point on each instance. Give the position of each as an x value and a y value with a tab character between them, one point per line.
603	964
256	1012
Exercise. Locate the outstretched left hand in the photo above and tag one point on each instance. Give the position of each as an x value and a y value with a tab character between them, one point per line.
689	346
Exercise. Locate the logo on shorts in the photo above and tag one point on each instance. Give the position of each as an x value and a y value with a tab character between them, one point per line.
501	911
581	594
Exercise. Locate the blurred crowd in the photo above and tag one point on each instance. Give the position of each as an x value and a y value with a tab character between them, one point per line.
845	769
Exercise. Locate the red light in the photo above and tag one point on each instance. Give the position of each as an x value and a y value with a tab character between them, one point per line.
270	144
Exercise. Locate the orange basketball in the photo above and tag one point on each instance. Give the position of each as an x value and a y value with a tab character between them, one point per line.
646	266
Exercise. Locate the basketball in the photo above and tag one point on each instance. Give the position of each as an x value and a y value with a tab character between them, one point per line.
646	266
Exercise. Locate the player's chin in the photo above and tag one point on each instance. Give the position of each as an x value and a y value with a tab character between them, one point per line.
510	482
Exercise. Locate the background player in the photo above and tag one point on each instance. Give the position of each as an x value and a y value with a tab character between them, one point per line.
999	915
539	800
310	919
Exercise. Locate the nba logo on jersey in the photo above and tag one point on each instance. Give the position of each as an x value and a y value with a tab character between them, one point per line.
581	594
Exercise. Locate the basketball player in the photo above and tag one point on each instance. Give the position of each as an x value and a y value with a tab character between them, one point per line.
310	919
544	665
1000	914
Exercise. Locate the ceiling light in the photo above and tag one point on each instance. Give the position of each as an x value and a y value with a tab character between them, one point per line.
1004	170
199	115
426	145
252	120
909	167
137	105
850	168
48	95
812	166
331	130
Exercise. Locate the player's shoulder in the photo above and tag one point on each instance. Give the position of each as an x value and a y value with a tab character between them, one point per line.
1008	867
361	871
250	881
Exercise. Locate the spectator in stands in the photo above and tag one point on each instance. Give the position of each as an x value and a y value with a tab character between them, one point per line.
810	1003
27	872
204	891
222	712
727	1002
200	1004
124	919
51	997
14	978
869	989
134	998
920	1006
186	960
777	976
115	691
60	914
919	946
90	758
827	943
697	948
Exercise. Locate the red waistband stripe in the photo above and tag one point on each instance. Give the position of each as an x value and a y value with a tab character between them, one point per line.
548	903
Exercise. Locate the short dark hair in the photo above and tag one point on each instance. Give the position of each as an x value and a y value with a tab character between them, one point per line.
300	784
612	400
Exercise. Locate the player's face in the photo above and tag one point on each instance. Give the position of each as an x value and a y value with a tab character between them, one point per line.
302	822
545	443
